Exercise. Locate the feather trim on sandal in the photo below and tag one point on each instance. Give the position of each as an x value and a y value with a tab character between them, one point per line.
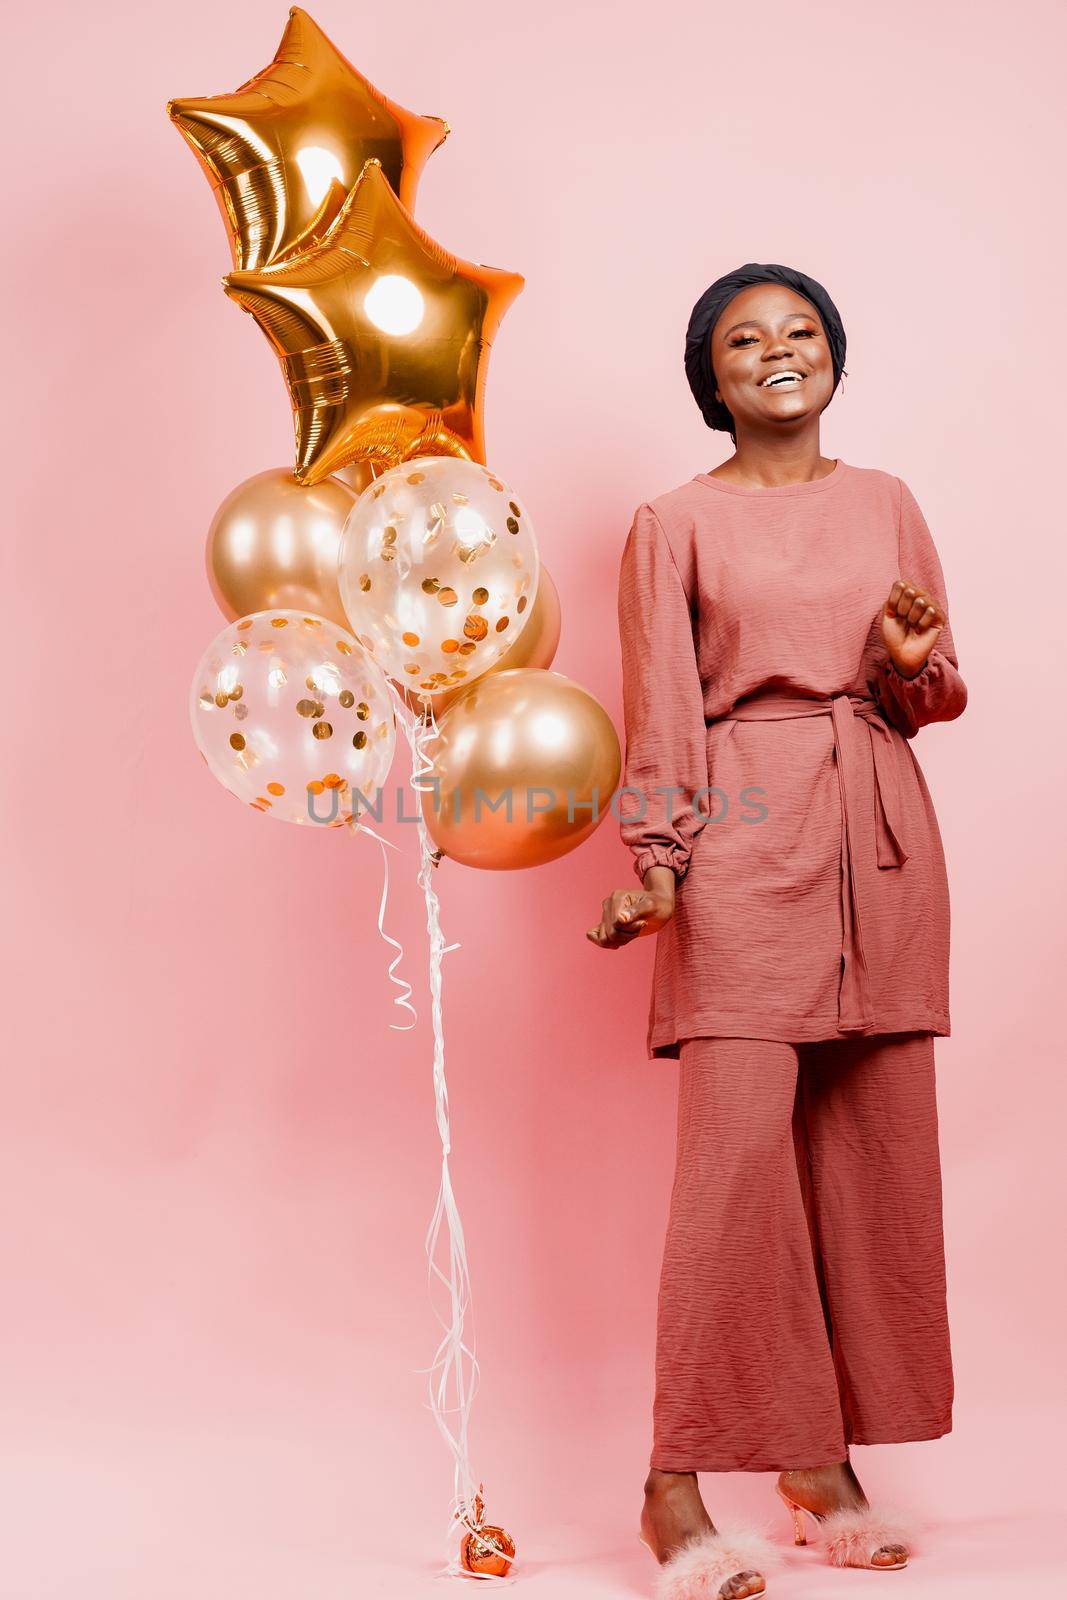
699	1567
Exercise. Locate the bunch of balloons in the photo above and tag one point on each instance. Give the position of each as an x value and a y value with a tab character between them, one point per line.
390	560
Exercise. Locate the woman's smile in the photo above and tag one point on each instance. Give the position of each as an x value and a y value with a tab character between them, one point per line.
787	378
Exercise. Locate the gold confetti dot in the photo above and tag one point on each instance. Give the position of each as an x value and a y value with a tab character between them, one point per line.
279	622
262	799
315	787
378	492
240	712
222	699
307	708
447	597
459	499
389	536
364	581
520	604
438	511
480	596
276	788
333	780
359	739
467	649
309	683
416	477
207	699
322	730
430	585
513	508
247	623
363	711
410	638
448	645
237	691
513	526
502	623
240	648
312	622
344	647
347	698
495	483
412	667
475	627
237	740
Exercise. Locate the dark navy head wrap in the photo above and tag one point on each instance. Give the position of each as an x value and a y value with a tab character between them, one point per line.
708	310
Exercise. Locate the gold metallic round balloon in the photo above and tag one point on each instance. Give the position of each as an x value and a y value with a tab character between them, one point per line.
523	771
535	646
273	544
282	152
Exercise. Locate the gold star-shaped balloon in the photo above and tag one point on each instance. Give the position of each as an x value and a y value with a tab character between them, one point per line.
383	337
283	151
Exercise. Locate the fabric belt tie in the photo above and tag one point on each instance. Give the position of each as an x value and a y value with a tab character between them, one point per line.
854	996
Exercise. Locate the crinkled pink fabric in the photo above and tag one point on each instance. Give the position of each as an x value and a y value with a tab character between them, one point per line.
807	1198
812	897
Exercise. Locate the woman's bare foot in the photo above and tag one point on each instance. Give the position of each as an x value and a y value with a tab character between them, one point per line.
673	1511
835	1488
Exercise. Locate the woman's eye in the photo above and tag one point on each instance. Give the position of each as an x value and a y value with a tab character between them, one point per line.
749	338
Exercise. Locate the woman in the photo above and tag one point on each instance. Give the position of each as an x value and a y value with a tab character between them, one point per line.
784	637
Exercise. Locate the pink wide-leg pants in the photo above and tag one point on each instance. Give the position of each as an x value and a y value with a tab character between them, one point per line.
802	1302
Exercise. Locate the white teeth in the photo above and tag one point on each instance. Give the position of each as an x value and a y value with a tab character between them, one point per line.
782	377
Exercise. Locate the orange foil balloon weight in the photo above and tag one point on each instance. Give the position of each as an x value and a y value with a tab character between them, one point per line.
283	151
524	770
486	1549
383	337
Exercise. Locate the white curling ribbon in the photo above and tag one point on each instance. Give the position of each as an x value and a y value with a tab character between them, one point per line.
453	1353
398	999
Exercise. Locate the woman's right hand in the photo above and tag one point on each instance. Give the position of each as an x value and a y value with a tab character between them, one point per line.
627	914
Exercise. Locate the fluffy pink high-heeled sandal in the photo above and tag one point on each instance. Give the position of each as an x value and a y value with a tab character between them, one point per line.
698	1568
854	1536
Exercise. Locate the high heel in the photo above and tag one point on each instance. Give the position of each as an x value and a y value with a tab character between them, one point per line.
854	1536
799	1536
702	1563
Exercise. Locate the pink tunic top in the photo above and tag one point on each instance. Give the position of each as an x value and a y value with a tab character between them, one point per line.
769	763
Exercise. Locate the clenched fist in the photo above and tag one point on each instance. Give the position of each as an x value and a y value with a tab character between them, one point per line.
912	618
628	913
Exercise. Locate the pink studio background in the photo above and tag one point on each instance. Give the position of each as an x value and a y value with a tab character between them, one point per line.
218	1161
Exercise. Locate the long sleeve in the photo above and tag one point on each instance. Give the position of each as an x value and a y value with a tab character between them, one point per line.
937	693
663	705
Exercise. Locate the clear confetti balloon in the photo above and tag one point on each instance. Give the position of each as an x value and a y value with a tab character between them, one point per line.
286	708
438	571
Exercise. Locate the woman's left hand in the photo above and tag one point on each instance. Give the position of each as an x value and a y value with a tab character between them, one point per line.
912	618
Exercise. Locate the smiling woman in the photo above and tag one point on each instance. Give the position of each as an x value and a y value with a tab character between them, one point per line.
803	311
784	630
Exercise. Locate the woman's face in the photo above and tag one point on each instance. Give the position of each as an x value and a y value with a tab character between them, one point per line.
766	330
